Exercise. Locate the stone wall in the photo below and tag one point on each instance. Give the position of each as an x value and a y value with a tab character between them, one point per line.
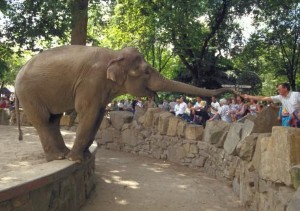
257	158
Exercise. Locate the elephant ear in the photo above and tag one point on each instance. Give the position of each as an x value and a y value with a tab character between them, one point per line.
115	71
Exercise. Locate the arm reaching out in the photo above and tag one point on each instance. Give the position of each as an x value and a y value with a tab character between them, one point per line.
258	98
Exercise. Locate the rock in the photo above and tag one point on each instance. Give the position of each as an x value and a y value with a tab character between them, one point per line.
279	153
66	120
138	112
129	137
258	150
173	123
108	135
148	117
105	123
294	203
181	128
199	162
163	122
263	123
4	116
247	128
175	154
245	148
295	172
215	132
193	132
119	118
233	138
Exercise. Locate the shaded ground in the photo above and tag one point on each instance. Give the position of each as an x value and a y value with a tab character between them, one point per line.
126	182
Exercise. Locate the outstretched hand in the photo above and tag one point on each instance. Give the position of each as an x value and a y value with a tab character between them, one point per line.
236	92
245	96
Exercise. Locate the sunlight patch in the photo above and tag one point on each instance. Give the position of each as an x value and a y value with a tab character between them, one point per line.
121	201
156	170
128	183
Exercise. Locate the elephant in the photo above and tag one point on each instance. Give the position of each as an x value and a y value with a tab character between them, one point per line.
85	79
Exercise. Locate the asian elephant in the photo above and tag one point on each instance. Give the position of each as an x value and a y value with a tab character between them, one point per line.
85	79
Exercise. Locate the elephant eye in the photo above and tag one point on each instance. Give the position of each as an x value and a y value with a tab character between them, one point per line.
147	72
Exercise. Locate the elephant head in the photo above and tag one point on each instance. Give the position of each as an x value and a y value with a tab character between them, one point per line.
138	78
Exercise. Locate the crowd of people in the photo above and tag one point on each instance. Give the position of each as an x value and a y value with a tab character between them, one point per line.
7	101
199	111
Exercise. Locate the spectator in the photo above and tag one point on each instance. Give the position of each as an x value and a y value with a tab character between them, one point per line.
284	117
223	112
187	114
133	105
199	109
172	105
233	107
242	108
290	100
121	105
139	102
165	104
149	103
3	103
254	108
181	107
177	108
127	106
214	107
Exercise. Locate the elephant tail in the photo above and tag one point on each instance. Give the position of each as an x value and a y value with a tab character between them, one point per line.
18	118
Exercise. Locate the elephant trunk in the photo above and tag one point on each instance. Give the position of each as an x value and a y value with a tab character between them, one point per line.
159	83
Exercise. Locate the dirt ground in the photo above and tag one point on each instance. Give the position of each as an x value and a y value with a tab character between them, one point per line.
21	155
126	182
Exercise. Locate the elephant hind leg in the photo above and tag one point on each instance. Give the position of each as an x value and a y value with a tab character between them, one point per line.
48	129
51	138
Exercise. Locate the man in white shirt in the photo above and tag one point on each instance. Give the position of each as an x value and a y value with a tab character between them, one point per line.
179	111
214	106
290	100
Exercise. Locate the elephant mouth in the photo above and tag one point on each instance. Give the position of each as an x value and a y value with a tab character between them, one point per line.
151	93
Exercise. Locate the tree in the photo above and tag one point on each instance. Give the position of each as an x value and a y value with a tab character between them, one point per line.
79	14
282	35
197	32
34	24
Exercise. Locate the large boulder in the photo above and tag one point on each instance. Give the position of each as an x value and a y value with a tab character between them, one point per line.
215	132
108	135
194	132
279	153
129	137
119	118
262	123
163	122
149	115
233	137
172	128
246	147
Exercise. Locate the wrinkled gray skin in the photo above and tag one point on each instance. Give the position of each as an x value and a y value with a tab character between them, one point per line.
87	79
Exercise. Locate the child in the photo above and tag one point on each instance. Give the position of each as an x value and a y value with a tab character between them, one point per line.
284	117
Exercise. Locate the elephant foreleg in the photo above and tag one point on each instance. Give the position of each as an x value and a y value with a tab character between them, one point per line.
89	122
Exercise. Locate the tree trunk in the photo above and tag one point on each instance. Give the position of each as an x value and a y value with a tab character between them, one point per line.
79	22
